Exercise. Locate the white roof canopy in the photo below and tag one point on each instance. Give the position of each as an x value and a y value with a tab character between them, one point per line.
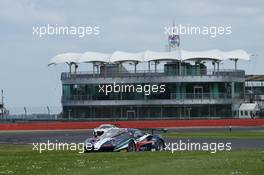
248	106
236	54
202	55
119	56
153	56
89	57
180	55
65	58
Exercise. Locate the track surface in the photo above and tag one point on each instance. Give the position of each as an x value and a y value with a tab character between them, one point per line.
78	136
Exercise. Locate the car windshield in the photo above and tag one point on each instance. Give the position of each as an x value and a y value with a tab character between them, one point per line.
138	133
105	126
111	133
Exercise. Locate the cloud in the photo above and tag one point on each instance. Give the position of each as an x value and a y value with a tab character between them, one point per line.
129	25
27	11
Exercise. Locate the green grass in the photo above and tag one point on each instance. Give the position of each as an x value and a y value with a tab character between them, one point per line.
22	160
217	135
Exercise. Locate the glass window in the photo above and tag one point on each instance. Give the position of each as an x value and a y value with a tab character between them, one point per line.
66	90
246	112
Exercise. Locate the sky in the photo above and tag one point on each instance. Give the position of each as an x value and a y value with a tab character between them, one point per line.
126	25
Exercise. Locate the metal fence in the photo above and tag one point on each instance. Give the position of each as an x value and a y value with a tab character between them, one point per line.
32	113
175	96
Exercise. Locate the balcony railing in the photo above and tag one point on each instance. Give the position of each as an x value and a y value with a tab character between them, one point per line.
165	96
147	73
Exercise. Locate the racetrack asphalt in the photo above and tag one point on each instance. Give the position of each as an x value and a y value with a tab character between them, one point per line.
78	136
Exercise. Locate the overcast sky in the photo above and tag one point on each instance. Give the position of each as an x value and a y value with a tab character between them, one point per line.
124	25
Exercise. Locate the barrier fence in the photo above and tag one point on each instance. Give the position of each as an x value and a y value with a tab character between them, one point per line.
32	113
132	124
54	113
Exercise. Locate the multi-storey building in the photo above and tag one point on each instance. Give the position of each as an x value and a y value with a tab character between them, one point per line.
184	86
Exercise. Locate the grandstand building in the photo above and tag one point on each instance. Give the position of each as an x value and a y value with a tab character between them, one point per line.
179	84
254	86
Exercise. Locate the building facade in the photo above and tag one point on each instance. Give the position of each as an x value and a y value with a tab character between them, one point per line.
191	91
254	86
179	85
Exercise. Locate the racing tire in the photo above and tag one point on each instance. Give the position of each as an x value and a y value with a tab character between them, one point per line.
159	145
131	147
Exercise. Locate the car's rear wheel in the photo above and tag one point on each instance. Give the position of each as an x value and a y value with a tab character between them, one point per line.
159	145
131	147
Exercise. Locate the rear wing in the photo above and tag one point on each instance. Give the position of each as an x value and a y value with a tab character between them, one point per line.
152	130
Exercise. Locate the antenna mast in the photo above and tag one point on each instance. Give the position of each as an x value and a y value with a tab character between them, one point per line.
174	38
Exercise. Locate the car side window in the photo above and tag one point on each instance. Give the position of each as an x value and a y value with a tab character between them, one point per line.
138	134
149	138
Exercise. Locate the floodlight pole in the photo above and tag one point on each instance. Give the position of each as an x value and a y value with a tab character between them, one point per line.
25	110
48	110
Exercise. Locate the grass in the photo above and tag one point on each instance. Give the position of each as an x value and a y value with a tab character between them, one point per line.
217	135
20	159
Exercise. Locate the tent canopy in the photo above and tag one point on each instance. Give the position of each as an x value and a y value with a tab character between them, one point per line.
158	56
178	55
89	57
119	56
202	55
68	58
248	107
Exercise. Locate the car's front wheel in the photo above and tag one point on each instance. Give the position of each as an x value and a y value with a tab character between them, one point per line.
131	147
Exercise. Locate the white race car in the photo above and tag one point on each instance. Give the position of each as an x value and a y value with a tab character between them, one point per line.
128	139
98	131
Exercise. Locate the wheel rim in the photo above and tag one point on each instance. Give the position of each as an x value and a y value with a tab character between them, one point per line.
159	146
131	147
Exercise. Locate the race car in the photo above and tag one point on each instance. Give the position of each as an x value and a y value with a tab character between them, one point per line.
128	139
98	131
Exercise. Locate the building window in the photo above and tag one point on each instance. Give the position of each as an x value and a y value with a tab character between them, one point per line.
246	113
241	113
